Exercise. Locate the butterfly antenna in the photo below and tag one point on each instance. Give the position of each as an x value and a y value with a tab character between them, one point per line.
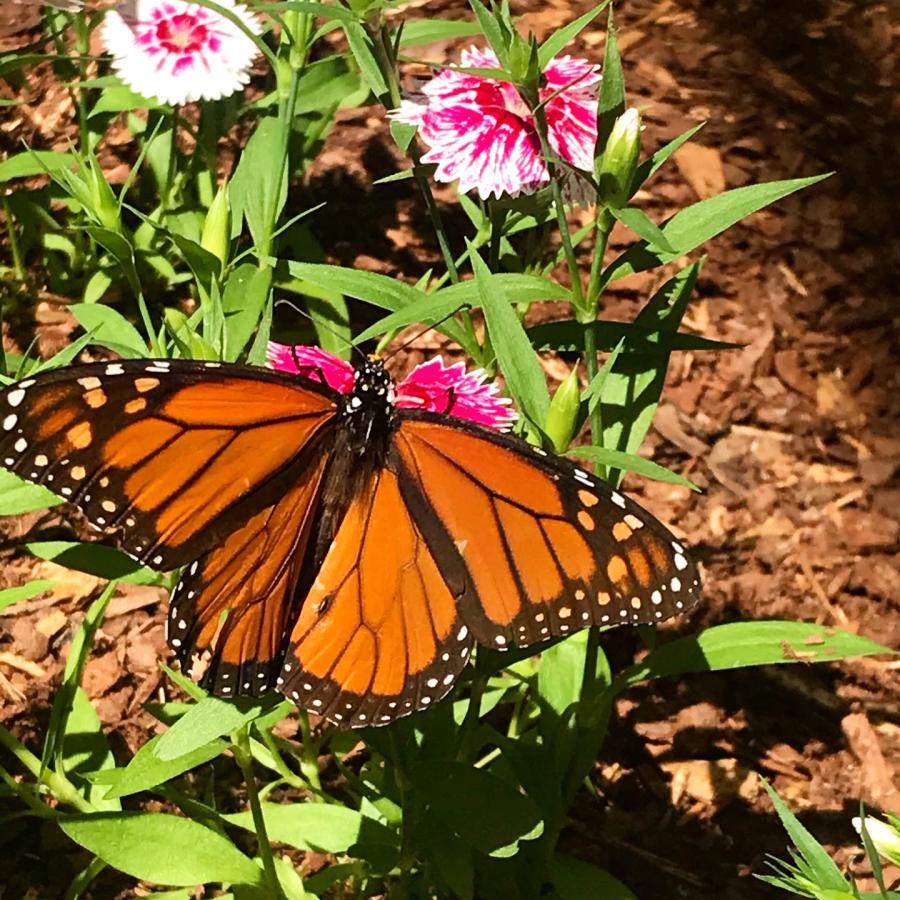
319	324
419	334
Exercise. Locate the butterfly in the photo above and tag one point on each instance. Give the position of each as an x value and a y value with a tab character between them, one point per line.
336	547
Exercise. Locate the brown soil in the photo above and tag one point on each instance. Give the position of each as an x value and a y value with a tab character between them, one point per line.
794	438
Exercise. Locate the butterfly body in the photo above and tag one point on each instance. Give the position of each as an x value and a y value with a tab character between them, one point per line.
336	547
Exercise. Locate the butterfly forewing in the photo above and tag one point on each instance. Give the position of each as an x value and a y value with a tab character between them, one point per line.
541	547
164	452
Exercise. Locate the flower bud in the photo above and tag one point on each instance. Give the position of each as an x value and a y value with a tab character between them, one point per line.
562	416
619	160
216	235
104	207
883	836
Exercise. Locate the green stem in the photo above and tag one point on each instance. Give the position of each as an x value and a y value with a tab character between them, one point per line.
59	785
309	761
384	53
286	111
465	750
168	194
404	786
240	746
83	48
498	220
208	140
559	203
604	226
15	248
83	880
27	796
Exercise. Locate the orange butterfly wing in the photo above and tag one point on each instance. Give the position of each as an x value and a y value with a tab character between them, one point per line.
539	546
170	453
379	634
240	598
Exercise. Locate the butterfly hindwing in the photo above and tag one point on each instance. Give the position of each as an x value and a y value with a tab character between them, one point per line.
542	547
379	635
161	451
239	599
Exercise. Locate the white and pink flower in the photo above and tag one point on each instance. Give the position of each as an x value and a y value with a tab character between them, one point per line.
432	386
481	133
178	51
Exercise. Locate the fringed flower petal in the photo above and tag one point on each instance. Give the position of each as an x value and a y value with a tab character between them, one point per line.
440	388
313	363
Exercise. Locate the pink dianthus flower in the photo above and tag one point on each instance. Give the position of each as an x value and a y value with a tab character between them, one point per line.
433	386
481	133
177	51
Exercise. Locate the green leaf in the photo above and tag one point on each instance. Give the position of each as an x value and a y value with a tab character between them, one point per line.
487	813
630	462
593	393
490	26
18	496
638	340
205	721
370	287
738	645
380	290
696	224
612	88
428	311
146	770
561	675
363	52
204	265
325	84
243	302
119	98
8	596
85	749
122	251
161	849
523	373
519	288
575	879
822	867
649	166
108	325
452	857
417	32
402	175
95	559
322	827
643	226
633	388
34	162
331	319
64	701
565	35
259	186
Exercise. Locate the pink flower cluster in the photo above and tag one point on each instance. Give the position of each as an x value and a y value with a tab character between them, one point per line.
432	386
482	134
